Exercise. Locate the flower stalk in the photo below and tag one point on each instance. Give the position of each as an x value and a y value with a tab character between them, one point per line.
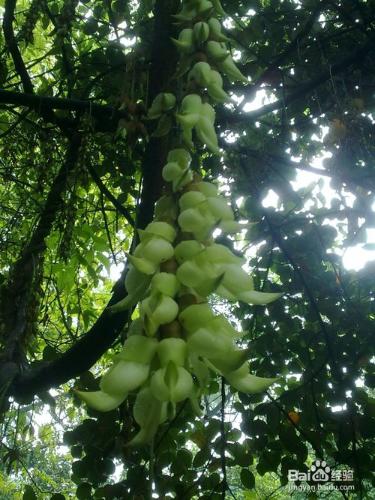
178	343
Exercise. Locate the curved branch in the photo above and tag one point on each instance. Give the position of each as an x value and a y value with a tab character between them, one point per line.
12	46
80	357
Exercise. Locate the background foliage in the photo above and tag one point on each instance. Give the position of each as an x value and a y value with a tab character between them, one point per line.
78	169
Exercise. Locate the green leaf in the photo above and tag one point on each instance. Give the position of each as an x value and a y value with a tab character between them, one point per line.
201	458
247	479
29	493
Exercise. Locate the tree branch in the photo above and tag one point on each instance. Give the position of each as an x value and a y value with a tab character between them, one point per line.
44	103
80	357
12	46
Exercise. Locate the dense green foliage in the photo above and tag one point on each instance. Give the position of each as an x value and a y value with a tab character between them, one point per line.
80	168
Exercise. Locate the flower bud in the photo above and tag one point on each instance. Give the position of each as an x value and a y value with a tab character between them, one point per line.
101	401
207	135
123	377
172	349
238	285
171	383
148	412
196	316
217	93
142	265
215	30
220	208
233	360
216	51
228	67
201	32
138	348
243	381
204	6
207	188
235	280
187	250
192	221
172	172
166	207
208	112
156	250
218	8
186	14
185	42
200	370
181	156
165	283
208	343
160	229
158	310
190	274
163	102
220	254
191	199
168	101
191	108
187	135
206	129
136	284
258	298
201	73
135	329
132	279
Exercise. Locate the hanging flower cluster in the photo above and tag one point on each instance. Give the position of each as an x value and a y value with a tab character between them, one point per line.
177	343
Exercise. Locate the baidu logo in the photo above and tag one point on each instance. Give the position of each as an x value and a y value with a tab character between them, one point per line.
320	477
320	471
